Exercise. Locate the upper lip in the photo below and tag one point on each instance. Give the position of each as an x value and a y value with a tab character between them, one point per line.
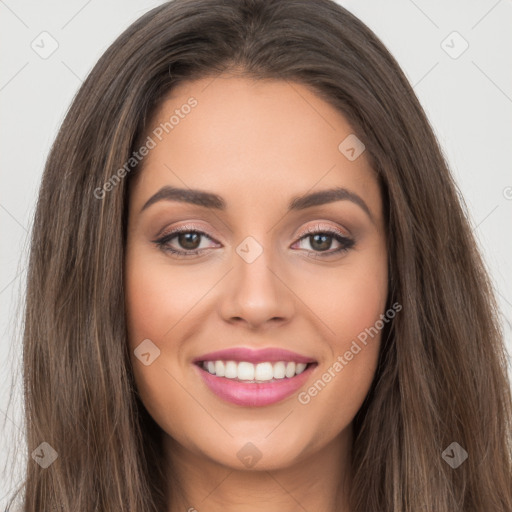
254	356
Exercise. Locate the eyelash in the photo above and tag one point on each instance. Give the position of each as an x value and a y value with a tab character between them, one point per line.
162	243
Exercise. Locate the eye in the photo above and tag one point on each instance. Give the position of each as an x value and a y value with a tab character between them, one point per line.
321	239
187	241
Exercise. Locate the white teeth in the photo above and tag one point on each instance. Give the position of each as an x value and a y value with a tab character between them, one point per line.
219	368
231	370
300	367
279	370
290	369
245	371
263	372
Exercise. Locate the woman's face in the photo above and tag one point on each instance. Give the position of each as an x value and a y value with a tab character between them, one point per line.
271	270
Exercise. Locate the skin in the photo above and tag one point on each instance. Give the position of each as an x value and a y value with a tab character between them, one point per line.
258	145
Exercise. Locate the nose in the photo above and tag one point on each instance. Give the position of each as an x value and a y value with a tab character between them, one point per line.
257	295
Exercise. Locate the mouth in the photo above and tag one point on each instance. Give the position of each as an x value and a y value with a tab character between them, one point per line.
251	373
254	384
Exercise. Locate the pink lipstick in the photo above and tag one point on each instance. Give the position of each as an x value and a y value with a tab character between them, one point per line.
254	378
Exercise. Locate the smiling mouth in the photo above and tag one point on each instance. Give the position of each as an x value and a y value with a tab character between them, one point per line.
260	373
257	385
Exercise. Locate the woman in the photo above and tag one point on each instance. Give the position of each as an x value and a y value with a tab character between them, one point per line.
252	284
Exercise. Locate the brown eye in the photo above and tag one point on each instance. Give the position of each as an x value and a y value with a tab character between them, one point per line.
186	242
189	241
183	242
321	240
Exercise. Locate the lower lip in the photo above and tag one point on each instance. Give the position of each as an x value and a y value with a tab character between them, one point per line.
255	394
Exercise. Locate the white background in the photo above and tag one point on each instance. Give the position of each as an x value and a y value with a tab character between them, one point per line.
467	99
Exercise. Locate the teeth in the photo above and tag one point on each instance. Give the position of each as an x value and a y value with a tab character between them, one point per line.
279	370
261	372
290	369
300	367
245	371
231	370
219	368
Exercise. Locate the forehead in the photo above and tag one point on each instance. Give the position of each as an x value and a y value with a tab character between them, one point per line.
255	140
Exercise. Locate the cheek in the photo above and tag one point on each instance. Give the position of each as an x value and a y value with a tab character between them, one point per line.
158	296
350	303
348	298
151	304
150	310
361	300
162	305
153	307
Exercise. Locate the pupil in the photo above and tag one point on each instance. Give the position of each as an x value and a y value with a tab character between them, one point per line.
324	244
187	241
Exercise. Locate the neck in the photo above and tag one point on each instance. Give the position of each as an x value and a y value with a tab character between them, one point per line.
319	481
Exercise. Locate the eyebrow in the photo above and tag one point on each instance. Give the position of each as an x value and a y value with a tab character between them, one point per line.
210	200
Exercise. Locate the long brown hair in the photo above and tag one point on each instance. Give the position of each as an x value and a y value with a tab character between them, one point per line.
442	373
